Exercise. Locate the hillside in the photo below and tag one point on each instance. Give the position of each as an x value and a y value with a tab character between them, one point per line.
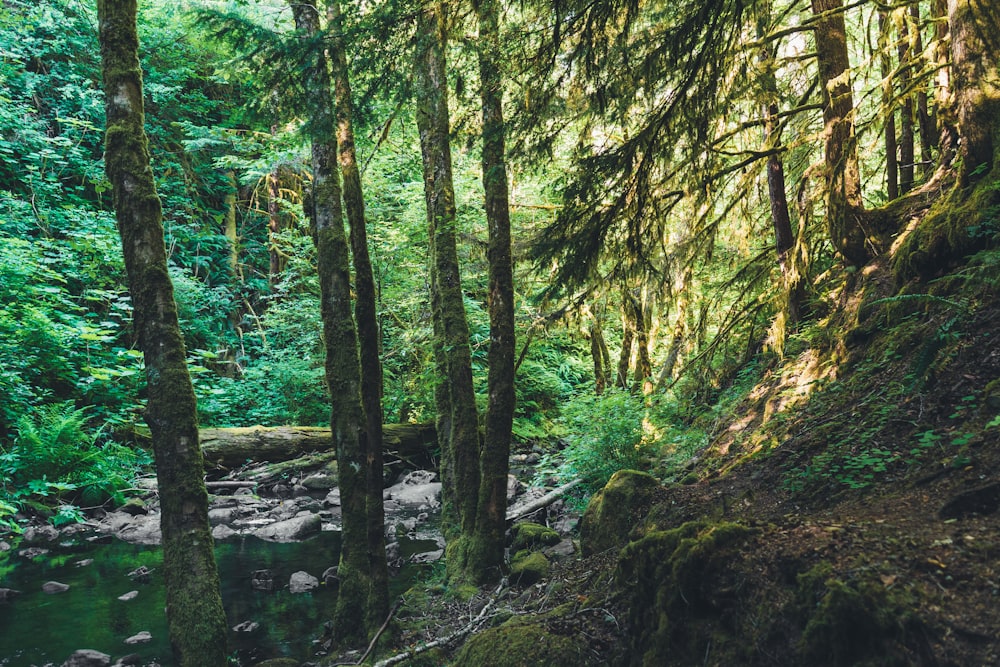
844	512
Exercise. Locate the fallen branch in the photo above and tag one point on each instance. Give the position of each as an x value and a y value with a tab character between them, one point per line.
444	641
519	511
378	634
229	484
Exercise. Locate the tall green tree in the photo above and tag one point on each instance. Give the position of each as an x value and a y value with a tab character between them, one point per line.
343	365
366	315
195	616
491	522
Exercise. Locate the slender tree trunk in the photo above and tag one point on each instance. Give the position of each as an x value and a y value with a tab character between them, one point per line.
643	365
491	525
844	211
597	352
366	314
628	333
891	147
195	617
273	222
925	123
343	366
680	329
907	155
455	394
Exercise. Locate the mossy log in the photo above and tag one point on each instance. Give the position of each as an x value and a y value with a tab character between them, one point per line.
228	448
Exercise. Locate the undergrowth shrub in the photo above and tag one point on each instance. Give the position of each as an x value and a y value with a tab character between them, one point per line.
605	434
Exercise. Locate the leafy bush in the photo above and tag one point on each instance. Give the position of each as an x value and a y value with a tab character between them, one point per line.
605	434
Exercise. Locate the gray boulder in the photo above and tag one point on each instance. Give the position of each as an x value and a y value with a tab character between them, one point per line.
88	658
302	582
297	528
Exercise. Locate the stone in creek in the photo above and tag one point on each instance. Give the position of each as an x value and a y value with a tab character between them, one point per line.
262	580
84	563
131	595
139	638
44	533
88	658
246	628
8	594
302	582
290	530
53	587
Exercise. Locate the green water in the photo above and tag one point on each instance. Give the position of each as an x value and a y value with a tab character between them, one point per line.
37	628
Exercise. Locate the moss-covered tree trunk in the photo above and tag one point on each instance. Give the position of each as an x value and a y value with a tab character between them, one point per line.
491	526
844	209
343	364
455	396
366	315
975	82
195	616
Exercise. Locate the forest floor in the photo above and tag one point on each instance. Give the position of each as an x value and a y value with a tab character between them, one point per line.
872	451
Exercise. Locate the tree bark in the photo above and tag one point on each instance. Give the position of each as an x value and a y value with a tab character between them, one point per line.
907	155
366	315
891	147
844	210
488	555
975	82
343	365
195	617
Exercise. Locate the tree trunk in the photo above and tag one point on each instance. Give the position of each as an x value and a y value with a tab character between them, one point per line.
975	82
925	123
195	617
597	350
643	365
343	365
366	314
455	396
907	155
487	555
891	147
628	331
273	222
844	211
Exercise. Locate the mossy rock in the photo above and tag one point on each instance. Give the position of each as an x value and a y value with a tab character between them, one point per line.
615	509
522	645
859	623
278	662
529	535
676	582
529	567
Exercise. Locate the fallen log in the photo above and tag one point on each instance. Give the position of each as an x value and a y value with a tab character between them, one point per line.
228	448
518	511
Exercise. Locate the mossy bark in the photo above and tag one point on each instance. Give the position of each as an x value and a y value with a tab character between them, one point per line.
844	209
366	315
343	365
458	419
491	523
195	616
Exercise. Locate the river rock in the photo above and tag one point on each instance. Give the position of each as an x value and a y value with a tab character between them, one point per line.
84	562
32	552
417	490
44	533
297	528
262	580
246	628
302	582
131	659
5	546
134	507
220	515
330	577
139	638
8	594
222	532
54	587
131	595
319	481
88	658
333	498
142	529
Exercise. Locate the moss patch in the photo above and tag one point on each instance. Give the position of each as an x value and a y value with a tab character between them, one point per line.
673	578
528	535
615	509
854	623
521	645
529	567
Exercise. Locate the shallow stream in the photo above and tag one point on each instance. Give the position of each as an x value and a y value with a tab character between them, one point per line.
37	628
